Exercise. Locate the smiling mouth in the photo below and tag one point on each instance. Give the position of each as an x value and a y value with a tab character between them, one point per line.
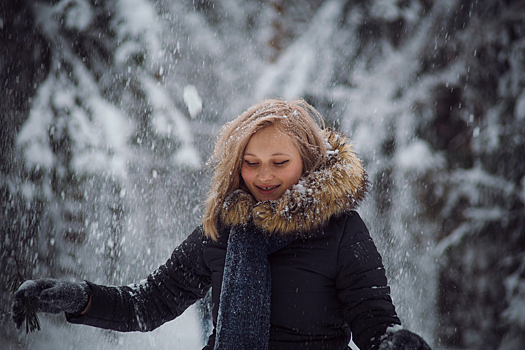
270	188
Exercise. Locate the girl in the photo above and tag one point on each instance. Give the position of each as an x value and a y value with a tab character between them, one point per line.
290	263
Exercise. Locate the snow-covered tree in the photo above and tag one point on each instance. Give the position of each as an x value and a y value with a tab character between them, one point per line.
109	110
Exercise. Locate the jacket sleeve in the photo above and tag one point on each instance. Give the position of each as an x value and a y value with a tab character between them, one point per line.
362	284
164	295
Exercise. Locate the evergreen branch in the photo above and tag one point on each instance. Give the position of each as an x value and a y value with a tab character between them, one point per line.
32	321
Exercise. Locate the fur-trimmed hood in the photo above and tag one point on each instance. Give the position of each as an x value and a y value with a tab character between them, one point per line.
330	190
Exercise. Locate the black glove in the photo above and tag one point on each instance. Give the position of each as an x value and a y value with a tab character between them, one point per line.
50	295
403	340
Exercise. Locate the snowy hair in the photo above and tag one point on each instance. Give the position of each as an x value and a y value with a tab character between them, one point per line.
295	118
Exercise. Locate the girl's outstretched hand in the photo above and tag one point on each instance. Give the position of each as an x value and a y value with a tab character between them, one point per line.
49	295
403	340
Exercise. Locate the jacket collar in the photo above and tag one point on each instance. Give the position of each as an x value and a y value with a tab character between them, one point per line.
333	188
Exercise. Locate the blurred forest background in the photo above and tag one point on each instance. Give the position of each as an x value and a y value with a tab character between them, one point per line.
109	110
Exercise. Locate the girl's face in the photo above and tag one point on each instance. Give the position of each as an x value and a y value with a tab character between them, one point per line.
271	164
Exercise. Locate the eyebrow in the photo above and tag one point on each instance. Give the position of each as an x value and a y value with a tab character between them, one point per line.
271	155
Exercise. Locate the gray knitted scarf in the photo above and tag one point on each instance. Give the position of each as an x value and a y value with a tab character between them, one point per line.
244	309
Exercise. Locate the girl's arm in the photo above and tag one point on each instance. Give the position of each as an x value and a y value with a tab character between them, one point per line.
368	308
164	295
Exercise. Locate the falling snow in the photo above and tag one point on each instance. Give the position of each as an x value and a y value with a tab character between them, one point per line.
111	109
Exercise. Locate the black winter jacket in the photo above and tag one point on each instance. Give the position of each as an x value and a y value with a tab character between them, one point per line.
326	285
321	289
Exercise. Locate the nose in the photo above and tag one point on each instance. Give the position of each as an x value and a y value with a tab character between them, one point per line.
265	174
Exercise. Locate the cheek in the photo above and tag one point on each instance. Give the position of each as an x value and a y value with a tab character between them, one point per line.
246	175
297	173
292	176
296	177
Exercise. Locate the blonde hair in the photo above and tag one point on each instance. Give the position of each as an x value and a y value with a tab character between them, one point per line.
295	118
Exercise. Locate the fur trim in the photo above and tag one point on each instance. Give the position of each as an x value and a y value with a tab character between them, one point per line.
332	189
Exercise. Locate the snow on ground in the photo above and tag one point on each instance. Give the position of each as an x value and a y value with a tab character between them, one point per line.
181	333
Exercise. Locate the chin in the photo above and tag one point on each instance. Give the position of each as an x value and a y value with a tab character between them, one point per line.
272	198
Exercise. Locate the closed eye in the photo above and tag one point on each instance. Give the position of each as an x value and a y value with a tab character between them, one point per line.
281	163
250	164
